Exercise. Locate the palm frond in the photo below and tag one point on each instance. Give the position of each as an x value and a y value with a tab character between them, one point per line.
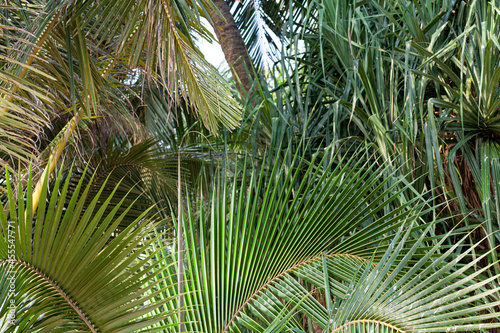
154	36
266	226
261	24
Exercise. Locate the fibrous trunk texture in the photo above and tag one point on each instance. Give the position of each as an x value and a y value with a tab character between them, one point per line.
233	46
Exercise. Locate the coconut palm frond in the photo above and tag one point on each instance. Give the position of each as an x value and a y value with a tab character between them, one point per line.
153	36
70	268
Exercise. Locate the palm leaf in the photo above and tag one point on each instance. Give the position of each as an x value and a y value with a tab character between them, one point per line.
165	52
261	24
72	271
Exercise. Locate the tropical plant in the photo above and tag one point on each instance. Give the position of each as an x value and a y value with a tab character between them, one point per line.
62	67
259	258
416	80
66	268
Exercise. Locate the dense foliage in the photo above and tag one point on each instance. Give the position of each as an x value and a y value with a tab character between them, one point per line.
355	187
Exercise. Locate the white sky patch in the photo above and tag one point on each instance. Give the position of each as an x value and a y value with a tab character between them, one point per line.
212	51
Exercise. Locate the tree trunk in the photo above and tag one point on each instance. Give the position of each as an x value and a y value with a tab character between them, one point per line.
233	46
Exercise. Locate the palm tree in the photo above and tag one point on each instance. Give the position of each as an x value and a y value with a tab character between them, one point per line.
87	67
66	72
326	245
65	268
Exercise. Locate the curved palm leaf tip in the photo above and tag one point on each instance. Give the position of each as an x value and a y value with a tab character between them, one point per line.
71	270
274	237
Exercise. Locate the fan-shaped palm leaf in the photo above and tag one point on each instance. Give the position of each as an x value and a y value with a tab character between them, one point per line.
68	269
270	239
411	289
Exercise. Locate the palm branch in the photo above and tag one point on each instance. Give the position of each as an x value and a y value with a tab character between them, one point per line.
70	269
270	237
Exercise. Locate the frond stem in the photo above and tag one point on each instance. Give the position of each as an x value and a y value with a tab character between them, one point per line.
54	157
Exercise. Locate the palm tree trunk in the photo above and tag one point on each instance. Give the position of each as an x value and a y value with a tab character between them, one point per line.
233	46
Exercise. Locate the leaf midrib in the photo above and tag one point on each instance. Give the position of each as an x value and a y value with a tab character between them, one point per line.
57	288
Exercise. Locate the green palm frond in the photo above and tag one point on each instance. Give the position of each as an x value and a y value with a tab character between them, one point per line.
163	51
49	73
66	59
261	24
267	225
141	171
173	126
434	291
272	237
338	239
24	105
70	268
